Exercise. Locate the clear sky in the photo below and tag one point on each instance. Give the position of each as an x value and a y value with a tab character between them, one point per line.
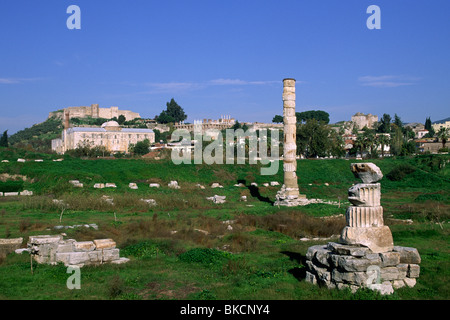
224	57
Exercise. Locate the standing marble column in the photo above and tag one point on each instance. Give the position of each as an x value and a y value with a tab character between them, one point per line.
289	194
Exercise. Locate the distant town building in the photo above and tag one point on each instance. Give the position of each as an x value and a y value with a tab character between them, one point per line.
94	111
441	124
110	135
224	122
428	145
361	120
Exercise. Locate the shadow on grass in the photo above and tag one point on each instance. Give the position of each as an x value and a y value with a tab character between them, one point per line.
299	273
254	192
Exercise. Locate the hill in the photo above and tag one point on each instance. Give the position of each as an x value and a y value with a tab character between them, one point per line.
442	121
39	136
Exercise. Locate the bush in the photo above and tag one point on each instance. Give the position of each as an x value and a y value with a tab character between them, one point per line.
142	250
400	172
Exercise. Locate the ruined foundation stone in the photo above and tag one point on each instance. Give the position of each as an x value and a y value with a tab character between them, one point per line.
8	246
365	256
47	249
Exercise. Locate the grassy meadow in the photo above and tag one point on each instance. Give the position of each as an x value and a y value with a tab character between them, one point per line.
187	247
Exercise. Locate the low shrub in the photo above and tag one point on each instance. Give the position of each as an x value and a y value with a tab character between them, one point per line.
400	172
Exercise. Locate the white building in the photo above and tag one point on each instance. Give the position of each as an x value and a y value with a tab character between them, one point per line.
111	135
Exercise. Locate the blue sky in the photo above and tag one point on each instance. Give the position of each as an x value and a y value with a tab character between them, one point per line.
224	58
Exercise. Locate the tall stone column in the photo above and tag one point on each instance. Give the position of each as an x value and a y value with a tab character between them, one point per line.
289	194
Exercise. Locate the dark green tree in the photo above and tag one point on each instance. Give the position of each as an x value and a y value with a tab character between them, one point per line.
429	127
121	120
318	115
4	139
164	117
313	139
175	111
385	124
277	119
141	147
397	121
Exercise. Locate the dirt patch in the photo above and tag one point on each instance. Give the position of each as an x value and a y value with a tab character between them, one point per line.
168	290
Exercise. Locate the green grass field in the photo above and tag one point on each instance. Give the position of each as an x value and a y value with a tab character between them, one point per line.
183	248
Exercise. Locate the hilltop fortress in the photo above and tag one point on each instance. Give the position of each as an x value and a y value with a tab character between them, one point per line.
94	111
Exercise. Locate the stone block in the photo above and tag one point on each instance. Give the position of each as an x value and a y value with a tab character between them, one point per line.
311	278
352	264
413	271
10	194
355	278
383	288
322	257
377	239
45	239
216	185
95	257
389	259
402	270
8	246
397	284
76	258
63	257
110	255
26	193
154	185
133	186
367	172
343	249
99	185
104	244
110	185
408	255
83	246
410	282
65	248
389	273
310	253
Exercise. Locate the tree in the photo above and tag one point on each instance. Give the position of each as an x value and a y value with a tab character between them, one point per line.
164	117
141	147
4	139
277	119
397	121
397	141
312	139
369	139
383	140
121	120
429	127
385	124
175	111
443	135
318	115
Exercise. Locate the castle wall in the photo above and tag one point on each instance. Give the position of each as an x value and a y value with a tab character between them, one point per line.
94	111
